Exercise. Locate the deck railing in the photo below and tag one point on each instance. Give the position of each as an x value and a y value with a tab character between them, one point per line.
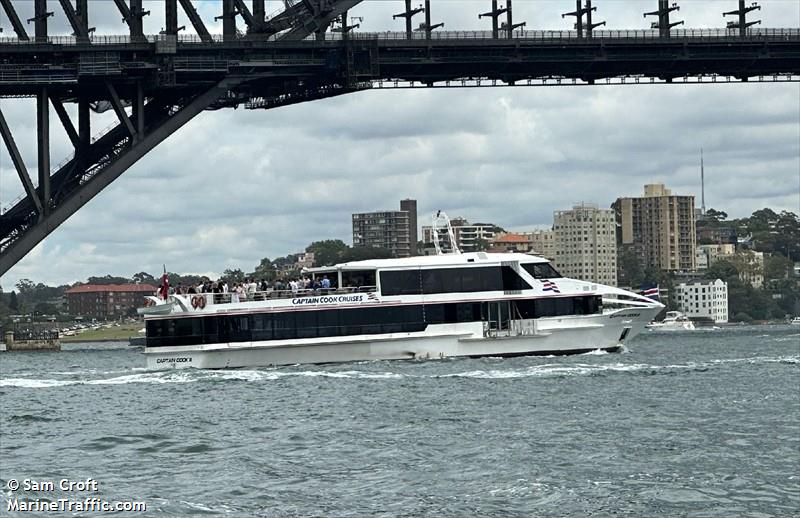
271	294
538	35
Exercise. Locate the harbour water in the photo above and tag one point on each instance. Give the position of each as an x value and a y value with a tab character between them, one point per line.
703	423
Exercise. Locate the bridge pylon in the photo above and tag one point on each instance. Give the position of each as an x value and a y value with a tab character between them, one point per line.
742	24
494	14
408	14
663	24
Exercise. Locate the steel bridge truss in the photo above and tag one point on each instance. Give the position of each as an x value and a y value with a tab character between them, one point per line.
156	84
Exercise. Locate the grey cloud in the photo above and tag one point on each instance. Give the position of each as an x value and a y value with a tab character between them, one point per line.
234	186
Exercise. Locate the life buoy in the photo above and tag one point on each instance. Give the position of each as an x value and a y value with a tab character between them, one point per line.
201	303
195	302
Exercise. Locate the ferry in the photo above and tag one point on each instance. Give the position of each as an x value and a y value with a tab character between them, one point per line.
426	307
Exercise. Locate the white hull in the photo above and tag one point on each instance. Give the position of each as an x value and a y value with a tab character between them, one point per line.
558	335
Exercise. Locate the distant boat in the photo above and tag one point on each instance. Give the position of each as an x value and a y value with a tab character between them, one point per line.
674	321
795	321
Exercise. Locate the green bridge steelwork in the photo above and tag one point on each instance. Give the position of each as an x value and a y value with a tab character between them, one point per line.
307	51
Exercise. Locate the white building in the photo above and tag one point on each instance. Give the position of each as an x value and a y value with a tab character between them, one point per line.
586	243
703	299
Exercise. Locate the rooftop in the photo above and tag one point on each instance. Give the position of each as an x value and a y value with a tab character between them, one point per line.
116	288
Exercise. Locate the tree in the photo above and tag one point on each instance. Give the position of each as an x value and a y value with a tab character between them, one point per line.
630	268
724	270
46	308
481	245
145	278
776	266
328	252
108	279
233	276
265	270
716	215
13	303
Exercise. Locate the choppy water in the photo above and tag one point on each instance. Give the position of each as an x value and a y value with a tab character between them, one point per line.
689	424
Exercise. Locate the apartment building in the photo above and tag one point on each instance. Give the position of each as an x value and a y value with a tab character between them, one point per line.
391	230
585	239
703	299
543	243
659	227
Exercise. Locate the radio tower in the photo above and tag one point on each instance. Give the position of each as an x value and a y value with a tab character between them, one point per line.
702	186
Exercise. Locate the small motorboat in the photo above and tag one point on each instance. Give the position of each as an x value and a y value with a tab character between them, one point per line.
673	321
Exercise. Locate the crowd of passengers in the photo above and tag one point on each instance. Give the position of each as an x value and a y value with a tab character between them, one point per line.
251	289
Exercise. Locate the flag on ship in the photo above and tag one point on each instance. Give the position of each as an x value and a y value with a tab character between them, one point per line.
548	285
163	292
650	291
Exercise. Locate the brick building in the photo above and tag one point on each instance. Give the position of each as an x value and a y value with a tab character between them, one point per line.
107	300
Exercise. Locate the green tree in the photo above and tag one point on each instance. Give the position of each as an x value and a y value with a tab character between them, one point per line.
630	268
777	266
724	270
46	308
328	252
145	278
108	279
265	270
481	245
716	216
233	276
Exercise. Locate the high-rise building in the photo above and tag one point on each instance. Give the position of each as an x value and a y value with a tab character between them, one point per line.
586	243
410	206
391	230
659	228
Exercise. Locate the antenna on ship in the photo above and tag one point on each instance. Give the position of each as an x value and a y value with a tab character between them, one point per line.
702	185
442	223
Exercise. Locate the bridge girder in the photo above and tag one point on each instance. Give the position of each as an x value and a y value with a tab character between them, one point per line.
156	85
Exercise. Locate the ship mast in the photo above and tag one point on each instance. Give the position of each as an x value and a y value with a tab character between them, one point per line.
442	223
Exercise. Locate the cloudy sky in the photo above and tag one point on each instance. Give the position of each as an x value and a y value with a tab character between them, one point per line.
233	186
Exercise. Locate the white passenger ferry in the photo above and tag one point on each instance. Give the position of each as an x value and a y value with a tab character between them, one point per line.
450	305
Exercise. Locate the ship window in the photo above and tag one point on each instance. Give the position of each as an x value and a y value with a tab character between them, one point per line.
328	323
261	327
358	279
512	281
402	282
283	326
541	270
306	324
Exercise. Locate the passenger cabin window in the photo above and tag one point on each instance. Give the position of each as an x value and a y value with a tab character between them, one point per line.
451	280
541	271
358	279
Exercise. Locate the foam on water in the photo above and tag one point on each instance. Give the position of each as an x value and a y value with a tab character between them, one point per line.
141	375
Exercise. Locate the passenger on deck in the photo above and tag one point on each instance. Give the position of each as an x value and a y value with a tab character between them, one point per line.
326	283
